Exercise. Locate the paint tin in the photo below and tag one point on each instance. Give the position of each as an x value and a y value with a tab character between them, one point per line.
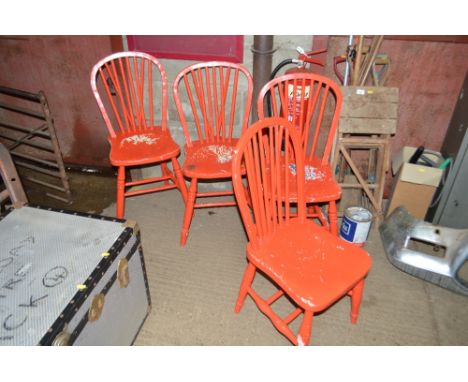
355	225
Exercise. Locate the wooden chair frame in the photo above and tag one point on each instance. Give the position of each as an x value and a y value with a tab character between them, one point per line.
308	111
127	80
212	91
291	250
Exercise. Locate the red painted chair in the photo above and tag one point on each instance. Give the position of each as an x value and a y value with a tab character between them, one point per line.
315	113
131	92
309	265
213	114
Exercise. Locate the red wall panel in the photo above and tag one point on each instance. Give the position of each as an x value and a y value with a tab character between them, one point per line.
61	66
195	47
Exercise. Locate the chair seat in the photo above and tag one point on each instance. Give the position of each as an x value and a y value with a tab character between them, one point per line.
142	147
320	185
311	265
208	160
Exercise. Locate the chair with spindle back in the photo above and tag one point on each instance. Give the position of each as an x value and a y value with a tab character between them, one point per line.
313	104
307	264
213	100
131	92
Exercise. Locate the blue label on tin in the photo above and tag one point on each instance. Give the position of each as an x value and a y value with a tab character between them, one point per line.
348	229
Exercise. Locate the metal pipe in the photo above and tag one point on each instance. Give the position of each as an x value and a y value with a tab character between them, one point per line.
347	68
262	58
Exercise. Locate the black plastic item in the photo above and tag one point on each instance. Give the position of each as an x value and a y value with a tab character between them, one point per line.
414	158
280	65
427	161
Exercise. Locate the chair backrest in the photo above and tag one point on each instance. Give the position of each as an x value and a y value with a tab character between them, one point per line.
264	201
131	92
314	111
215	97
14	189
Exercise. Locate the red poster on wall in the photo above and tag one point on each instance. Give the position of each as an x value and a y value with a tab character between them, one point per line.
191	47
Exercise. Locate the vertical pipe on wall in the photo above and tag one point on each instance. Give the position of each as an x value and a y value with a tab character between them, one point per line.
262	58
347	68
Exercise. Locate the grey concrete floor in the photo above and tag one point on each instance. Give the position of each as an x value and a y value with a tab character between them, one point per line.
194	288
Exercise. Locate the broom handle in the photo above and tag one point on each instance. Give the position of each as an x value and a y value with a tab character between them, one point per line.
372	54
357	64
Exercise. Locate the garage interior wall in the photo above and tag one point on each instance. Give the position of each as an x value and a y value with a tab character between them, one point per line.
429	75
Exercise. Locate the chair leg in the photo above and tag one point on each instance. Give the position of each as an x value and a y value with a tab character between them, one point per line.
305	329
189	206
321	217
356	298
120	192
179	178
247	281
165	172
333	216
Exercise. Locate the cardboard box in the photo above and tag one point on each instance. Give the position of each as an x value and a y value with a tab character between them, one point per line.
404	155
414	185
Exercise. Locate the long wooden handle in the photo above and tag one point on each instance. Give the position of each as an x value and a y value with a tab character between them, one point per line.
357	62
372	54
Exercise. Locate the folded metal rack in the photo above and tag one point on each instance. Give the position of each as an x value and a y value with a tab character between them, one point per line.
33	147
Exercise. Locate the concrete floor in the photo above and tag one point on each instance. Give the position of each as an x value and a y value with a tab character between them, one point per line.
194	288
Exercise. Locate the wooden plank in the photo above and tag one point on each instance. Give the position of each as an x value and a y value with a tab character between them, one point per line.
357	62
374	93
376	42
349	196
371	186
364	108
38	131
34	159
363	141
367	126
22	110
463	39
360	179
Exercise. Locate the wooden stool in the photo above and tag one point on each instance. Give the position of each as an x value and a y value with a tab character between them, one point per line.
368	119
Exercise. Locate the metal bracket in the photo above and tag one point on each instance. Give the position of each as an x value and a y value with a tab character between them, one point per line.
63	338
97	305
122	273
133	225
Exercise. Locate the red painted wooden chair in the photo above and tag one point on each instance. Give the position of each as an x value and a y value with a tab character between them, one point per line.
315	113
131	92
308	264
213	113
